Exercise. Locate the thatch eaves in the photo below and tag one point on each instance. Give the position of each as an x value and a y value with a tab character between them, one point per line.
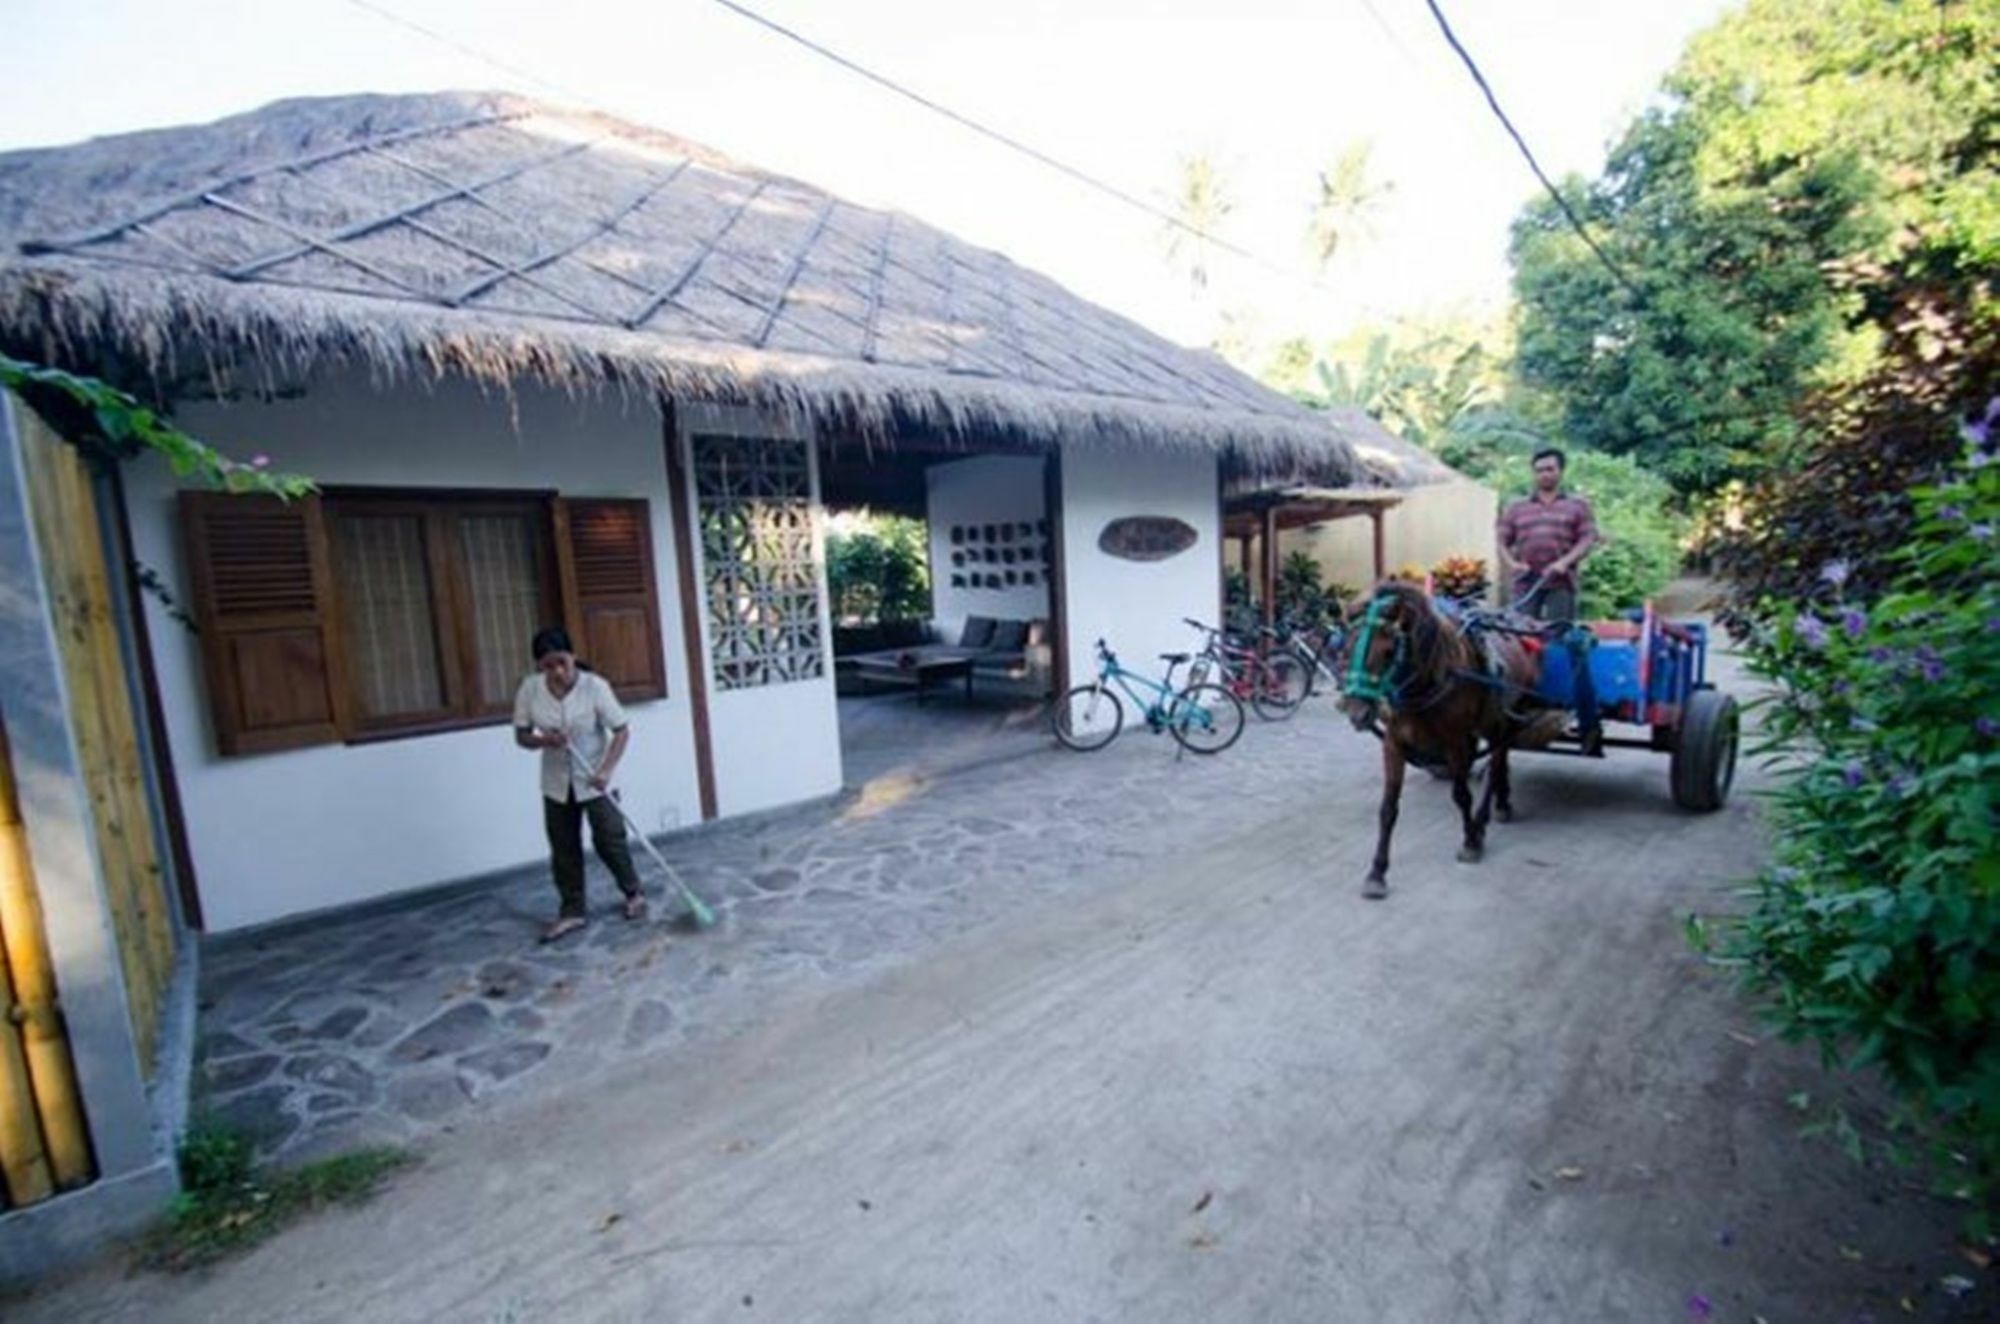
498	237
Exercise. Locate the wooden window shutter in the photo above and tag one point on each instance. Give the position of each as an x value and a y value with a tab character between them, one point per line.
604	552
263	601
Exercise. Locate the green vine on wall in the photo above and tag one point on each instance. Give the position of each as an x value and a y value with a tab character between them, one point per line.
110	426
105	422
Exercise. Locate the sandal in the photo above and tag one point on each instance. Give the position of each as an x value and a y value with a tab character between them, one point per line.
563	927
635	907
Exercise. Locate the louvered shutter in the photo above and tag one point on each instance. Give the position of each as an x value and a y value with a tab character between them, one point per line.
263	601
604	549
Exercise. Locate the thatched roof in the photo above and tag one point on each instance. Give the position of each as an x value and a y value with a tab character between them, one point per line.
1380	459
1393	462
495	236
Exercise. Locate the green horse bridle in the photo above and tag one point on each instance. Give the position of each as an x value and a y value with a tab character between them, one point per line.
1366	685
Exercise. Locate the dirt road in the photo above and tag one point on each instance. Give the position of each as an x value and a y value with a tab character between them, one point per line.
1225	1090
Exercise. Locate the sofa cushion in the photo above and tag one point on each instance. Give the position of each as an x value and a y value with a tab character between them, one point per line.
978	632
1008	637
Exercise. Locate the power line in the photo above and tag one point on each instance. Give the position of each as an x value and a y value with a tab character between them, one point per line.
1014	144
512	70
1575	221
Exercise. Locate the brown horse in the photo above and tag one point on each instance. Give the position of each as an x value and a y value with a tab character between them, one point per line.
1433	693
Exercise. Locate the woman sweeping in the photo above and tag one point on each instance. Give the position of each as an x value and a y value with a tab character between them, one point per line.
571	716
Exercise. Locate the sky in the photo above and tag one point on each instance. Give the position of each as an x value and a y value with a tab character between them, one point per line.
1273	90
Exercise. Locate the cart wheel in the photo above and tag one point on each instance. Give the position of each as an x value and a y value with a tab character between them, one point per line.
1704	759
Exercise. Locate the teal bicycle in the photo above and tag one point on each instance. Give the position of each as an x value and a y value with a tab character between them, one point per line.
1202	719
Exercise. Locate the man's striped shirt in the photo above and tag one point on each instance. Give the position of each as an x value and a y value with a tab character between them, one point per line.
1540	532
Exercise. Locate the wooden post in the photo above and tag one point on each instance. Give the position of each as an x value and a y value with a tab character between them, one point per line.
1271	565
694	603
67	531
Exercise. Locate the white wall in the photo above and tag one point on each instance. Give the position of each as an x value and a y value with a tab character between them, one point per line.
774	744
983	490
1137	606
286	833
1431	523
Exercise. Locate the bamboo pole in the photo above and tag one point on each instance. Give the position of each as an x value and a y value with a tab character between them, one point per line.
35	1010
24	1163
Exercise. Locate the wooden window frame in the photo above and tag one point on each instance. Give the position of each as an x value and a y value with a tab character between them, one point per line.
440	510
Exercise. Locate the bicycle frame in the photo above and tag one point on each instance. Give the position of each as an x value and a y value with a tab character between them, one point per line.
1163	705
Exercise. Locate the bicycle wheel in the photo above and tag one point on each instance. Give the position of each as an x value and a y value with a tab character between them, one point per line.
1205	719
1280	686
1088	717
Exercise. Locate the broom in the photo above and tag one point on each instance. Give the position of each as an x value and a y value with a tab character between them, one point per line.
697	910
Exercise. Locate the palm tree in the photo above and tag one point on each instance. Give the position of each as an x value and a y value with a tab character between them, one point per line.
1201	204
1349	197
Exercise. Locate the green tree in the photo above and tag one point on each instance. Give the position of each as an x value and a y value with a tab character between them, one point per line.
1797	140
879	571
1344	212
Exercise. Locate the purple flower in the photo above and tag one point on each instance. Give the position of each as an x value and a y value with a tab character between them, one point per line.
1699	1307
1993	625
1986	726
1834	572
1881	655
1952	512
1855	622
1929	665
1979	431
1812	631
1854	774
1981	532
1979	460
260	461
1902	784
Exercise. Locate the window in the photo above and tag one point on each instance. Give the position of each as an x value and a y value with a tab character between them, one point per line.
437	600
362	614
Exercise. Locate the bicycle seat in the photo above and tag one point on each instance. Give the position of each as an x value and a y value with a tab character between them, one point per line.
1174	658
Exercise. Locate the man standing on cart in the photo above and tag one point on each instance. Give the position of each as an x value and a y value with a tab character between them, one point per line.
1543	538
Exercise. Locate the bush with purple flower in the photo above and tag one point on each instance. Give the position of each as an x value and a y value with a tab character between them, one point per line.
1877	930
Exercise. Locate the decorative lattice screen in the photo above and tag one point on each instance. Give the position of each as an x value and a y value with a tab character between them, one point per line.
756	509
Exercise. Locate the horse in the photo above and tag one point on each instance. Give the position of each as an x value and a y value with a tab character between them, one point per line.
1433	691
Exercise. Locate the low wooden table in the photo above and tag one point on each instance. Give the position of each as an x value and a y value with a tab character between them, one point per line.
924	671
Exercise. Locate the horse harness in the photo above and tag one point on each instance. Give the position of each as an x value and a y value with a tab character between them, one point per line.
1478	626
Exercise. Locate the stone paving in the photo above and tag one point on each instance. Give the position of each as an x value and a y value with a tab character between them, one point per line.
391	1025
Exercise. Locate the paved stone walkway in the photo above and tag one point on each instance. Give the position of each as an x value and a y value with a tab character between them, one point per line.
386	1026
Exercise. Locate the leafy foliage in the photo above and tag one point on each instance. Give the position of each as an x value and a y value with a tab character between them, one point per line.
1201	203
228	1204
112	424
1875	442
1642	548
879	572
1876	932
1799	140
1349	196
1463	577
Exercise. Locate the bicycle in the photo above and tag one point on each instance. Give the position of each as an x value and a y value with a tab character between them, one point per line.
1318	652
1202	718
1273	686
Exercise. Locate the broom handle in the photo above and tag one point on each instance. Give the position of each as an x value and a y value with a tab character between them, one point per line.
576	760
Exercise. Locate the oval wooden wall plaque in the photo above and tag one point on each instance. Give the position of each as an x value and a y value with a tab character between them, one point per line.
1146	537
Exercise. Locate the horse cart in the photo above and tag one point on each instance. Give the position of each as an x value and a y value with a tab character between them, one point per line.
1648	673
